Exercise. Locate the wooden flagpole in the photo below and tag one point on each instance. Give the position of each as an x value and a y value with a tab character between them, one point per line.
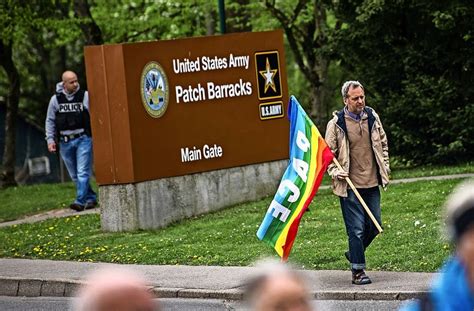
359	197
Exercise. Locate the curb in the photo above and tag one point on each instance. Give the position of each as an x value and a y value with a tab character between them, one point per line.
37	288
15	287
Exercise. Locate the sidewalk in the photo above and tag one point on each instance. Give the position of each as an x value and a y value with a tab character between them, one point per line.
34	278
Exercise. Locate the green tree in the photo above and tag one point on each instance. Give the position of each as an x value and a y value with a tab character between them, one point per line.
416	59
132	21
239	15
14	22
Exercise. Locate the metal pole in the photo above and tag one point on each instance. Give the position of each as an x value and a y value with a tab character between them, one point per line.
222	15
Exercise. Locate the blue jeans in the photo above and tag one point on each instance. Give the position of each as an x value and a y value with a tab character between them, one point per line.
359	227
77	155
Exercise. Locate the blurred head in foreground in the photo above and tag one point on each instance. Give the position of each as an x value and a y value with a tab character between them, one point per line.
115	289
459	215
459	211
277	288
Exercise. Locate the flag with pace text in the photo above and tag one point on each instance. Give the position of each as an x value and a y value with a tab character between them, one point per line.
309	158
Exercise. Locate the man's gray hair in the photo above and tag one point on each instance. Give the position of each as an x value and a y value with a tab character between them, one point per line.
348	85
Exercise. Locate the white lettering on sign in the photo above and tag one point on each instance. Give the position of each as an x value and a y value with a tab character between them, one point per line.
216	91
186	65
239	61
190	94
271	110
207	63
212	152
213	63
195	154
188	155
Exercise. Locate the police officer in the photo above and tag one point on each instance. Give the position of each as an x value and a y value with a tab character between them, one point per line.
68	123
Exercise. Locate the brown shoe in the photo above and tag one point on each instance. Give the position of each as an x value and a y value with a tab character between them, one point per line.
91	205
360	278
76	207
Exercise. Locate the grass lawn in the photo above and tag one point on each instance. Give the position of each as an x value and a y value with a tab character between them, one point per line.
423	171
411	241
18	202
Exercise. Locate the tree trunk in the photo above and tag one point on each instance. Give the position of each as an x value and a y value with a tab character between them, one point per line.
90	29
7	176
319	107
210	23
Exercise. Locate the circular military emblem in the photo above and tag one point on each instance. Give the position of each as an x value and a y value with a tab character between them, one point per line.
154	89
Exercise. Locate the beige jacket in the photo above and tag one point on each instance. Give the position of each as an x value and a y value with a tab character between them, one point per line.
336	138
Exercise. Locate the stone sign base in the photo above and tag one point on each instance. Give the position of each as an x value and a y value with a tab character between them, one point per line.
157	203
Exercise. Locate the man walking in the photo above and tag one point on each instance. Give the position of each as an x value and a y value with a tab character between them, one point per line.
68	122
358	141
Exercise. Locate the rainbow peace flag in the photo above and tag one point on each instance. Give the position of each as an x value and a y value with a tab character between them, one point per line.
309	158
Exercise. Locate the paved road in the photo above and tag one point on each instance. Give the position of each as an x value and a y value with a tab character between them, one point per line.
175	304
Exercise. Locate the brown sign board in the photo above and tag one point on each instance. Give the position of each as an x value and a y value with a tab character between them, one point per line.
172	108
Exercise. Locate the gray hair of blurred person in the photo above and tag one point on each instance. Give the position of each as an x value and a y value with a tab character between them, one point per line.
348	85
114	289
267	272
459	211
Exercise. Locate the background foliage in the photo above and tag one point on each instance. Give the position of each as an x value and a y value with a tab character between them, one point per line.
416	60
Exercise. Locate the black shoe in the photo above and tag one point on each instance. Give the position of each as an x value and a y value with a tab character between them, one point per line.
348	256
91	205
76	207
360	278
